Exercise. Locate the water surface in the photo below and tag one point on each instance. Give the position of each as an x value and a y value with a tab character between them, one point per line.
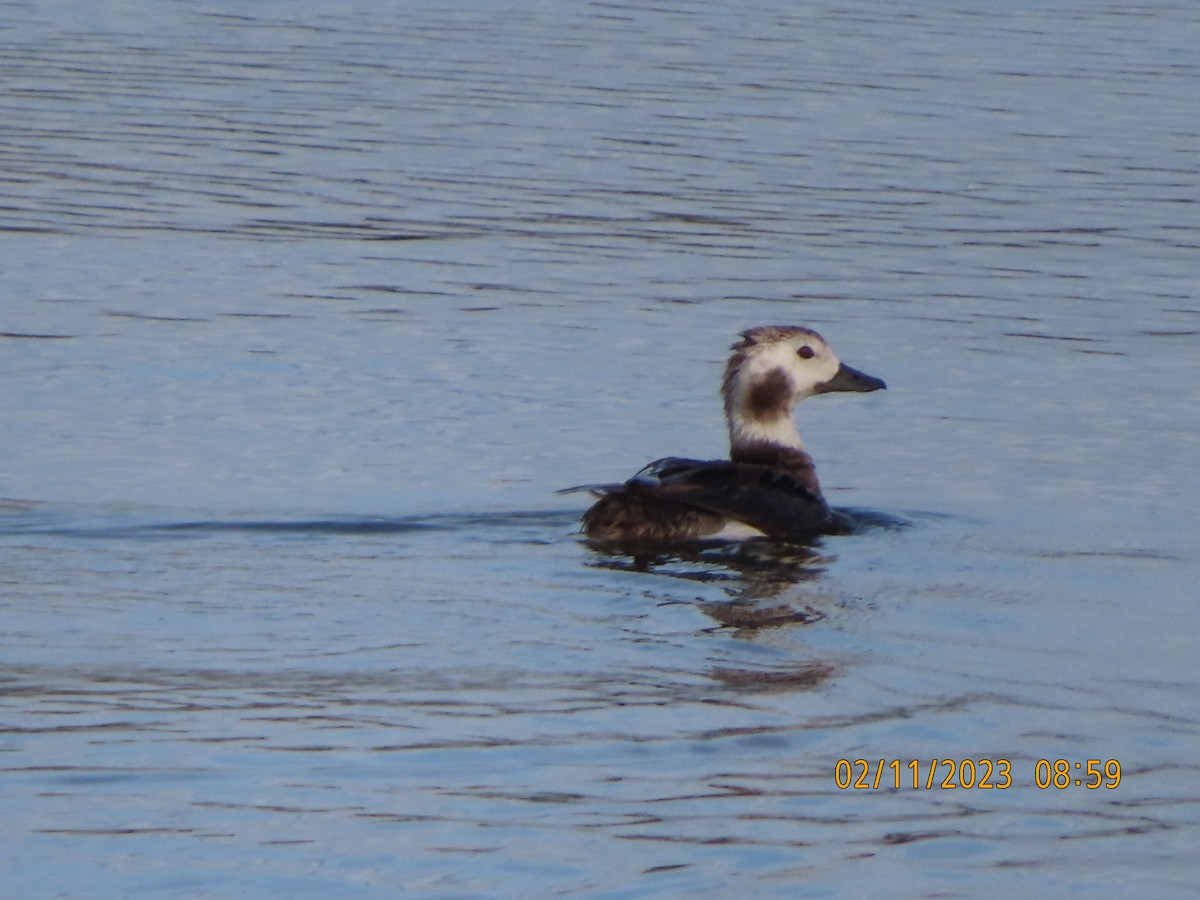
308	313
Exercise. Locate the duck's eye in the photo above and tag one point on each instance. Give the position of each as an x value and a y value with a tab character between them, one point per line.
806	352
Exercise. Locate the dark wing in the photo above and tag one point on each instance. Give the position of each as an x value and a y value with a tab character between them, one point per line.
674	499
598	489
777	502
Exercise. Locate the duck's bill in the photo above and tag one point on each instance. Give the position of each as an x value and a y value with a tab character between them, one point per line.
848	379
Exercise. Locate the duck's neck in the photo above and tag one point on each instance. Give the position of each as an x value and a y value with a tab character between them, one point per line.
758	408
773	443
761	430
754	431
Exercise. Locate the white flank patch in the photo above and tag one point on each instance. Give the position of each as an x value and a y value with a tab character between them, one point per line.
736	531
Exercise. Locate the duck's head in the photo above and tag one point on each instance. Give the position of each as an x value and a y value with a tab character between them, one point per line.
773	368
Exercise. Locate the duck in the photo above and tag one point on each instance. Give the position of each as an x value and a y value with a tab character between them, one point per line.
768	487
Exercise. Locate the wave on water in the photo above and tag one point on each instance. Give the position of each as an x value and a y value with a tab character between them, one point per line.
18	517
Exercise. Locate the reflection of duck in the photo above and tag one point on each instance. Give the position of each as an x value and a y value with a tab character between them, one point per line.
768	486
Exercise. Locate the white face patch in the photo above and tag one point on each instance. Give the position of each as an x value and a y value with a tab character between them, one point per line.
812	364
806	370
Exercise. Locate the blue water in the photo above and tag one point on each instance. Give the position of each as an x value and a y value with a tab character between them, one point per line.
306	313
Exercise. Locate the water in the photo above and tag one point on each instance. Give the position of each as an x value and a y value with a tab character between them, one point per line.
307	312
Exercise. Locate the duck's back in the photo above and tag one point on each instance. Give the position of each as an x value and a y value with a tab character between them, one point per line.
677	499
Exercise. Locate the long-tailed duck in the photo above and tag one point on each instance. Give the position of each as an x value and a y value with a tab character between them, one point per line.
768	486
